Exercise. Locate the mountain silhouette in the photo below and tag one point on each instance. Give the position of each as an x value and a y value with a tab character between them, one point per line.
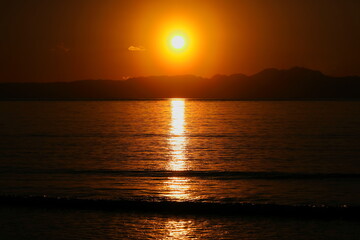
294	83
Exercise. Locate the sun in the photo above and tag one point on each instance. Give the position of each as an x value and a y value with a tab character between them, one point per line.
178	47
178	42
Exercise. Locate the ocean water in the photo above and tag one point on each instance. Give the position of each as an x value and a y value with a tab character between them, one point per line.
209	154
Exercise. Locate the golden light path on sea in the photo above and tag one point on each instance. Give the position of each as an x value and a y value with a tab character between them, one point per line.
177	140
178	229
177	187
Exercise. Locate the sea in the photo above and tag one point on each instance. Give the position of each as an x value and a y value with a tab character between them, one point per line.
179	169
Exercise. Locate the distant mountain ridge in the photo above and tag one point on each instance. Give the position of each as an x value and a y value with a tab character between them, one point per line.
294	83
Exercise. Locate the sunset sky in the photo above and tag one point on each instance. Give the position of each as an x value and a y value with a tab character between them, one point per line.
66	40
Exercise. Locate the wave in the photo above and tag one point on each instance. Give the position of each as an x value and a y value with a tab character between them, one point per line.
220	175
123	134
186	207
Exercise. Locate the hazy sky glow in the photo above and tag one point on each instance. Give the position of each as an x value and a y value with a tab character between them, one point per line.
64	40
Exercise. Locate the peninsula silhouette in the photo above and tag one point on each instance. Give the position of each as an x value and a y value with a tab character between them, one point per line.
294	83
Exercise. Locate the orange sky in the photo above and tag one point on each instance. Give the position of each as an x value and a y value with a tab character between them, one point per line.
63	40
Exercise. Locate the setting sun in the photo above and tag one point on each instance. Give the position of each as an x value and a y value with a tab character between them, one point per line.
178	42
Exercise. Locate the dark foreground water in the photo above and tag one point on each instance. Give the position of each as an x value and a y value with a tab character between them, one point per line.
24	223
272	162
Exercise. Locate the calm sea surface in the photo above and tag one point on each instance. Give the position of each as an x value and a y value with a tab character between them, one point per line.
259	152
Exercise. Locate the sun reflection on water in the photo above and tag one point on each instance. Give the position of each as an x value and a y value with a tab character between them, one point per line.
178	116
177	140
177	188
178	153
178	229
